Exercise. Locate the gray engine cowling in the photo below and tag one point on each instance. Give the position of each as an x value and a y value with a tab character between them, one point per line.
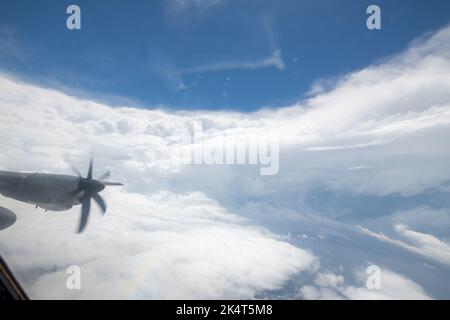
7	218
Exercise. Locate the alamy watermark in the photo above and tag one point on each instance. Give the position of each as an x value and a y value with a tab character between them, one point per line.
254	147
73	21
73	281
374	20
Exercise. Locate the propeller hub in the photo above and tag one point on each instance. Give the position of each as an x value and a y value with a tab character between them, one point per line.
88	190
91	185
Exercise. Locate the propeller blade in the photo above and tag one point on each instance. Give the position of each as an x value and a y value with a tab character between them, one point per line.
99	200
89	175
85	209
105	175
109	183
71	166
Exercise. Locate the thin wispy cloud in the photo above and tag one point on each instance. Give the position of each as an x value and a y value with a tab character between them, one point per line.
173	76
330	286
188	9
275	60
423	244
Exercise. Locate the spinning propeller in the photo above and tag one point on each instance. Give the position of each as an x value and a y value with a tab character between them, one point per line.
89	189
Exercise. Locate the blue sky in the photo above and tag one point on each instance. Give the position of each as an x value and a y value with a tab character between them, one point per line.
206	55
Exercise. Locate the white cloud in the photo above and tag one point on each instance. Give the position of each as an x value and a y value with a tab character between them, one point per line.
330	286
329	279
421	243
393	286
274	60
427	243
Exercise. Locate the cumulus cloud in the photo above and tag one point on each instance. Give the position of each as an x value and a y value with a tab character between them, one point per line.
393	286
160	246
330	286
377	133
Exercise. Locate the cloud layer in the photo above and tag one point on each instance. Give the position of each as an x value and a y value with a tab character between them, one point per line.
163	246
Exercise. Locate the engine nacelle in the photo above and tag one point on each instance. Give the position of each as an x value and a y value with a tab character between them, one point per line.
7	218
54	207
